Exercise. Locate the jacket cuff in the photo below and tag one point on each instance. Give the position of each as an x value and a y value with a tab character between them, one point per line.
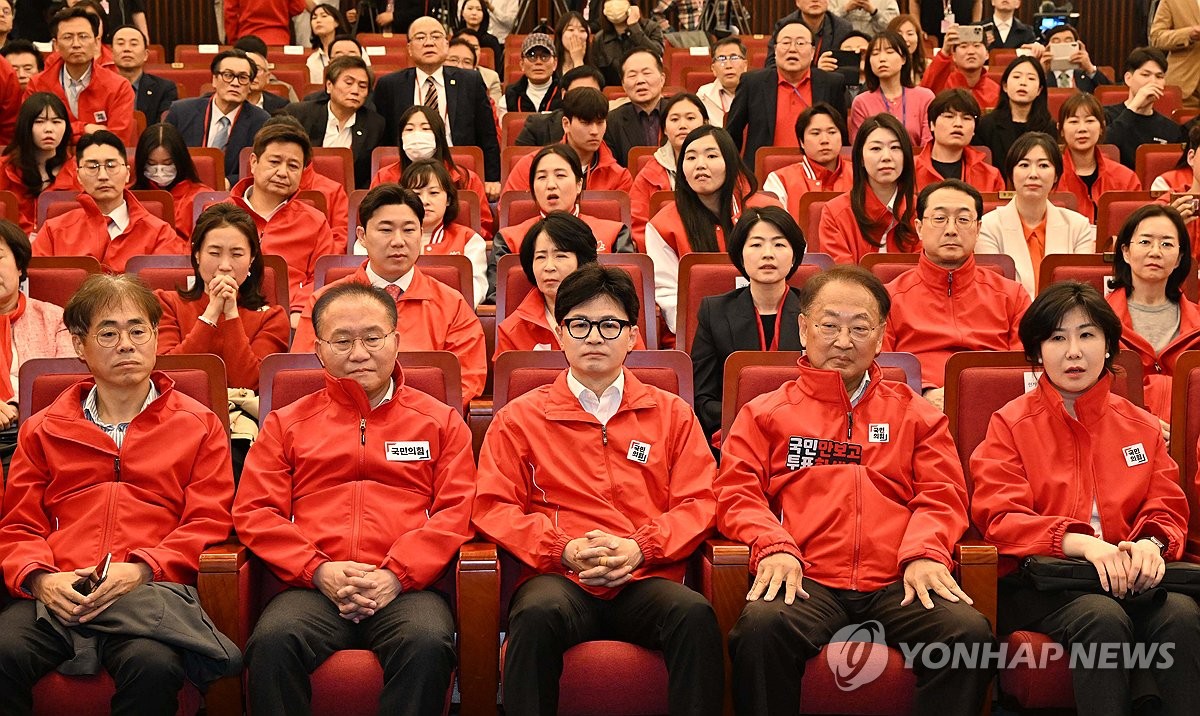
156	573
651	552
758	553
29	570
310	569
1063	528
934	554
556	553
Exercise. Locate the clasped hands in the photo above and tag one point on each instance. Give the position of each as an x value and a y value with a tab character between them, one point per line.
359	590
57	591
601	559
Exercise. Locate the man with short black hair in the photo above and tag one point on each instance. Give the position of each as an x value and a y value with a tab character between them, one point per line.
1083	75
729	63
153	95
952	116
546	127
1135	122
962	65
26	60
638	123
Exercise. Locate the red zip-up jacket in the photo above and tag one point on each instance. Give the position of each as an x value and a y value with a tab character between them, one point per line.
550	472
270	20
937	313
84	232
841	238
790	480
526	328
1038	471
297	232
608	234
976	170
652	178
332	479
1111	176
108	99
789	184
1157	368
67	179
72	496
241	343
184	195
605	174
942	75
337	203
464	179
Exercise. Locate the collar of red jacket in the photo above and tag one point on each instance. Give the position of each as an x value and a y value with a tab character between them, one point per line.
1088	407
562	405
136	210
939	278
348	392
1188	338
421	288
532	308
69	404
827	386
238	196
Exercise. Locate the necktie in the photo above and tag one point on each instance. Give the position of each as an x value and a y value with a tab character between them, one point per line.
431	94
394	291
221	135
1064	79
113	230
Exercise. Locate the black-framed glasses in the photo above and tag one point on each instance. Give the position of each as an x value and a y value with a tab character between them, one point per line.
241	78
610	328
110	337
342	346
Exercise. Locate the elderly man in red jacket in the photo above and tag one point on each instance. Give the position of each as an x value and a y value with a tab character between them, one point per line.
357	497
849	491
120	464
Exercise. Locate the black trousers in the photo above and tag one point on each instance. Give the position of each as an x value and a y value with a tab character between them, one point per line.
413	638
1099	619
148	674
550	614
772	641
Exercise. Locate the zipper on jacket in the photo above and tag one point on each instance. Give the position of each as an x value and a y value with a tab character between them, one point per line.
117	468
362	431
849	423
950	283
604	434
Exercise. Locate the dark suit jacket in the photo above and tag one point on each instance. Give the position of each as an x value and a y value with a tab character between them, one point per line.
365	135
729	323
829	36
753	109
273	103
190	117
1019	34
1083	81
624	130
469	109
541	129
154	97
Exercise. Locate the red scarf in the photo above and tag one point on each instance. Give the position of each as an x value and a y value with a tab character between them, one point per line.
6	346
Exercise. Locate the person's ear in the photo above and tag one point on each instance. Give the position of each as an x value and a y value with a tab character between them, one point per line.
77	344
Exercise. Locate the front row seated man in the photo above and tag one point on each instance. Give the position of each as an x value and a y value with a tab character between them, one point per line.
849	491
357	497
121	463
601	486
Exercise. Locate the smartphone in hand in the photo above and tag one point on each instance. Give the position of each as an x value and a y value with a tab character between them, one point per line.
87	585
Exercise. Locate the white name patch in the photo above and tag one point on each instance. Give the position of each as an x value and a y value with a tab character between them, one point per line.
638	452
1135	455
879	432
406	451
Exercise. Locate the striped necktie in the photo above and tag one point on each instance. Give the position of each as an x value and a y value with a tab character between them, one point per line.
431	94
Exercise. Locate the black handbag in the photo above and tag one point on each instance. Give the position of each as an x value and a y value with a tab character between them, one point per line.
1055	574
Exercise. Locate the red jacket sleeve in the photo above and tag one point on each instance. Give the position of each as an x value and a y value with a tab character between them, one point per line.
339	219
1164	513
242	353
465	339
233	14
420	555
837	237
935	76
10	102
939	503
322	244
25	526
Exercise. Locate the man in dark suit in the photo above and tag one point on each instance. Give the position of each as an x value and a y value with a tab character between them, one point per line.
459	95
768	101
545	128
223	119
1086	77
152	95
342	120
269	102
638	123
827	30
1006	30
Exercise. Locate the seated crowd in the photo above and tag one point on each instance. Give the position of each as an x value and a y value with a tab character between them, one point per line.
953	176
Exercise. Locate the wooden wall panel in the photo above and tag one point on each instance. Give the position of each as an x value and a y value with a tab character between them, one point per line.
181	22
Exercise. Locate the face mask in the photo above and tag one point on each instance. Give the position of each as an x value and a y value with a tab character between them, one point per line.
419	145
161	174
616	10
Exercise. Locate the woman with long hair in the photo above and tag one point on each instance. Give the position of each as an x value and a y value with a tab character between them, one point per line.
876	215
162	162
423	136
327	24
909	27
1072	470
1087	173
681	114
475	18
889	88
572	41
1022	108
1029	227
716	188
40	157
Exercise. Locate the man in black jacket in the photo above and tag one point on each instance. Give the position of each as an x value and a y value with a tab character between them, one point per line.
546	127
768	101
537	90
152	95
638	123
1135	122
1006	30
827	30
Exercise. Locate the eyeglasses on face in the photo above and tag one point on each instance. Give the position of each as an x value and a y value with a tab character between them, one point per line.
92	168
961	221
859	332
342	346
238	78
610	328
110	337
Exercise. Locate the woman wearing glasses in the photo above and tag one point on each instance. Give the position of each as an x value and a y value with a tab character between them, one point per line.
40	157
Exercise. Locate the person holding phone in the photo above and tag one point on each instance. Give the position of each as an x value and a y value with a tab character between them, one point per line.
961	63
1083	75
866	16
1135	121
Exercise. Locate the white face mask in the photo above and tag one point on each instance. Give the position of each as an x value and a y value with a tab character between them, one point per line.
419	145
161	174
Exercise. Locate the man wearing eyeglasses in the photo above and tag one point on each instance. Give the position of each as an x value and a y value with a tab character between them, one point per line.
224	119
435	317
850	494
537	90
728	65
119	464
110	225
949	303
601	486
357	497
95	96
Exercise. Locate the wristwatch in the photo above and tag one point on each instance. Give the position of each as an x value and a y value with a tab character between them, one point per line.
1162	548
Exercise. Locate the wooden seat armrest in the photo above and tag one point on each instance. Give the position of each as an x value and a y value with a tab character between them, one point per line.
977	575
226	587
478	582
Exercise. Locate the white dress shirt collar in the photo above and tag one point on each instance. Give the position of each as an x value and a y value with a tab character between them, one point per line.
603	407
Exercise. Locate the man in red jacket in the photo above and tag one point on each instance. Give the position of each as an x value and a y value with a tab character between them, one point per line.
602	487
963	65
96	97
110	224
120	464
358	497
952	117
849	491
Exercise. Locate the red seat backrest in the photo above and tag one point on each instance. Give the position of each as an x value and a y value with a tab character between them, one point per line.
1153	160
1112	211
1185	432
56	278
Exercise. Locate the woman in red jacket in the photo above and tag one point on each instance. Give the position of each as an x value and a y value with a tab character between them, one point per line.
681	114
1087	173
223	311
1070	470
162	162
1153	258
876	215
40	157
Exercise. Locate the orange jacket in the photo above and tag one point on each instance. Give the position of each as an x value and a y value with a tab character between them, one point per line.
184	194
327	481
107	100
652	178
942	75
433	317
976	170
1157	368
854	493
604	174
84	232
242	342
526	328
841	238
1038	471
668	224
464	179
72	496
549	472
936	313
297	232
10	180
1112	176
270	20
795	180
